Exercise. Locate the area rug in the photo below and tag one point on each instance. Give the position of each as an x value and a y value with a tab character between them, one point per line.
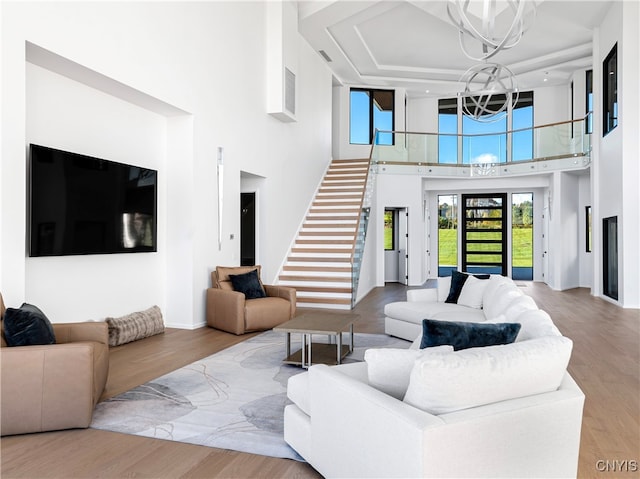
233	399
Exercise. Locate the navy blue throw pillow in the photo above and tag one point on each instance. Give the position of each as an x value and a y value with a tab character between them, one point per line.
457	282
467	335
249	284
27	326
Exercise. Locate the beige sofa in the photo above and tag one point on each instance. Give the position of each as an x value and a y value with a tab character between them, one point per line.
52	387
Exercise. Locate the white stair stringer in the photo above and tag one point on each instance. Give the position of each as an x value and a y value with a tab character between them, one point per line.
319	264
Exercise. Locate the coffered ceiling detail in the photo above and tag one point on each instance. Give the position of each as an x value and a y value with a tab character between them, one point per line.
414	45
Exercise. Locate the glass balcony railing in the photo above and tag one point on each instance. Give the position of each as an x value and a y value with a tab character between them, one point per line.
547	142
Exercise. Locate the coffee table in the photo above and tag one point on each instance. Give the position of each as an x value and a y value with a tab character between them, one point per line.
318	322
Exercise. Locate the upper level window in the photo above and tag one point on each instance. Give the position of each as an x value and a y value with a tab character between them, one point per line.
610	91
509	138
448	130
371	110
522	126
484	141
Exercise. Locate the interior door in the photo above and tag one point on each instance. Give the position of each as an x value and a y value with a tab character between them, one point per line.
403	240
247	229
545	245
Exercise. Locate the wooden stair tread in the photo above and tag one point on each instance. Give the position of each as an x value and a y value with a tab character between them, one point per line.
311	299
323	289
324	241
342	183
334	210
330	225
316	259
320	269
320	279
321	250
339	197
336	203
326	233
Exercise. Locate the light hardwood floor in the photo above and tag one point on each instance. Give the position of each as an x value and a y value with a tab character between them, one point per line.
605	362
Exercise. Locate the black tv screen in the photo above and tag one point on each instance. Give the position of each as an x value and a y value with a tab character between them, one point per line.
84	205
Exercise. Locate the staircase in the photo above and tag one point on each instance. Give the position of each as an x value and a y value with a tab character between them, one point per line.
319	265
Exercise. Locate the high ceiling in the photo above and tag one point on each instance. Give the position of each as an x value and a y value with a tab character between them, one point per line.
414	45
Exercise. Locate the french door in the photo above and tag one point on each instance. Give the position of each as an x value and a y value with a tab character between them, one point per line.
484	233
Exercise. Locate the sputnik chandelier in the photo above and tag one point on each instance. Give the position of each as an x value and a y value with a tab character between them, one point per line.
489	87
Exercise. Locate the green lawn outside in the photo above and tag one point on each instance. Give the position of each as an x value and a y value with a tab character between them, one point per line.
522	247
388	236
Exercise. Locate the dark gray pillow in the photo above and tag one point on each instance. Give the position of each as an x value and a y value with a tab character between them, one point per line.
467	335
249	284
27	326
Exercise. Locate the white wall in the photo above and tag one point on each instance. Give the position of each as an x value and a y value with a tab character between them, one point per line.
422	115
551	104
401	191
61	114
207	60
629	101
616	172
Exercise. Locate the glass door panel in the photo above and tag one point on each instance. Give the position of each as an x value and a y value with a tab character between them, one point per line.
484	239
522	236
447	234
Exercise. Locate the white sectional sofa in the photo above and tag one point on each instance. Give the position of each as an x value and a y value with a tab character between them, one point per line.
495	299
497	411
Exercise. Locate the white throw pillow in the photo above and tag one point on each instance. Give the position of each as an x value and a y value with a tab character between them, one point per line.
472	292
495	283
473	377
389	368
444	285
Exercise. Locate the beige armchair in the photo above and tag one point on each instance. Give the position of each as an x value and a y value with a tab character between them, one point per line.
230	311
52	387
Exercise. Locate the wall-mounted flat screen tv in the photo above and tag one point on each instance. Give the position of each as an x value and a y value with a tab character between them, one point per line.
79	204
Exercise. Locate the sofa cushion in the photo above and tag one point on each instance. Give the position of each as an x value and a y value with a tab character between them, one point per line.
27	326
389	368
416	311
472	292
536	324
444	285
462	314
473	377
466	335
248	284
517	306
505	294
